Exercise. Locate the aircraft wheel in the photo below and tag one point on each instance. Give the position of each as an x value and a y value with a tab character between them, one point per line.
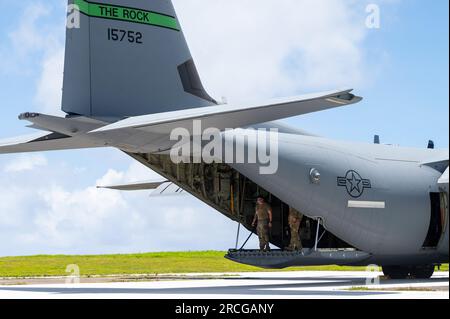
422	272
396	272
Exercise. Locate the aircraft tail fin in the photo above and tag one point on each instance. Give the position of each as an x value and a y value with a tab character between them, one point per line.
127	58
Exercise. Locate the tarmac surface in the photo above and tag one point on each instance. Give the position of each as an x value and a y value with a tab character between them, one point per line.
284	285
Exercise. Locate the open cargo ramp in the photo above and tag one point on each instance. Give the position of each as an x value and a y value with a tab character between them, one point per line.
277	259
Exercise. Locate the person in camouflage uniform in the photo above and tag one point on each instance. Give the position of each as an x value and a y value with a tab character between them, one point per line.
295	218
263	222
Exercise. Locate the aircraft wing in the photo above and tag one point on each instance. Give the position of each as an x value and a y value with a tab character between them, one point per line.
44	141
233	116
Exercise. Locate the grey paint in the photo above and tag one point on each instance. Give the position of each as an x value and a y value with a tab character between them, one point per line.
112	80
282	128
397	178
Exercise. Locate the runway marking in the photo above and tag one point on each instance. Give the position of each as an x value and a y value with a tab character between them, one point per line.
277	285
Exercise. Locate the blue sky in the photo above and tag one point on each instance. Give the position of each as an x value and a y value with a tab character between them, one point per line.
401	70
407	102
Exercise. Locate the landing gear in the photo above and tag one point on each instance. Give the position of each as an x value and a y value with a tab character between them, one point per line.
422	272
396	272
403	272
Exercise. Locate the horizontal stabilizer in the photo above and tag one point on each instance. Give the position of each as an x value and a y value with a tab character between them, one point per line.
234	116
135	186
70	126
168	189
444	178
44	141
439	163
162	188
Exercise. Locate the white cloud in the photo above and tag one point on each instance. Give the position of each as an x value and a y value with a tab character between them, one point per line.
39	36
28	38
68	217
37	32
38	214
25	162
254	49
49	87
136	172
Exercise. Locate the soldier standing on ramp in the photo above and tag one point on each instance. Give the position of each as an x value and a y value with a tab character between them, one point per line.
295	218
263	221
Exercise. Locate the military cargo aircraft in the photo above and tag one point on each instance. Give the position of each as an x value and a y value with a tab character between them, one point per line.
129	81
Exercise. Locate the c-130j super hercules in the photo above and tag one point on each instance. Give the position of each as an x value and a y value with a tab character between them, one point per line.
129	80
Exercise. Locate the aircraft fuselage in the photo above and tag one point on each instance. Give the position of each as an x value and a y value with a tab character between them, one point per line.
378	198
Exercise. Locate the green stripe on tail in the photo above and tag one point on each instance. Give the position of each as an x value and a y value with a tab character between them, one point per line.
127	14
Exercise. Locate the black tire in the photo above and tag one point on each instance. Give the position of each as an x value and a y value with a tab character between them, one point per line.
422	272
396	272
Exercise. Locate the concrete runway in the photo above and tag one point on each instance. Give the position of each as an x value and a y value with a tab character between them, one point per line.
285	285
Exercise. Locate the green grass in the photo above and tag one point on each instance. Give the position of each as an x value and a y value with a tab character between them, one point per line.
358	289
444	267
148	263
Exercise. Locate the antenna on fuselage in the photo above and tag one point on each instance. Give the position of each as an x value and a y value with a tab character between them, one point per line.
376	139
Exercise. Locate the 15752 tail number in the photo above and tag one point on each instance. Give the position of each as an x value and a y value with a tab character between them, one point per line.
124	35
